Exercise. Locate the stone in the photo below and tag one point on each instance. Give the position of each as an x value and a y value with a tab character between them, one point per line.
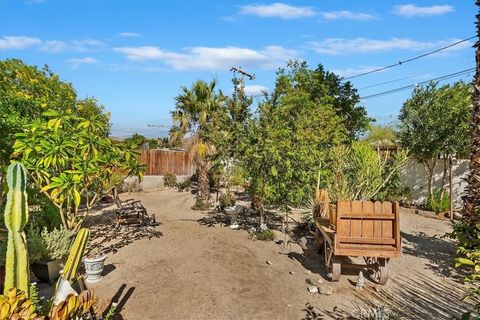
293	273
303	243
320	281
326	290
309	281
308	273
268	262
312	289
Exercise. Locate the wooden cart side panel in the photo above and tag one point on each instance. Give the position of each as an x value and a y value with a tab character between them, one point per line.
369	226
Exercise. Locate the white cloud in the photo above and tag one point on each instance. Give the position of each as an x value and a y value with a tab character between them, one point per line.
348	72
339	46
87	45
208	58
128	35
349	15
411	10
277	10
54	46
76	62
18	42
254	90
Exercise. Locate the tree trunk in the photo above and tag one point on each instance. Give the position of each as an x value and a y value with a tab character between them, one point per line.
2	185
450	178
444	176
430	167
203	187
471	205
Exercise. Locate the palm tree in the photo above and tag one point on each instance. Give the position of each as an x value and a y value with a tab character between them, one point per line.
196	109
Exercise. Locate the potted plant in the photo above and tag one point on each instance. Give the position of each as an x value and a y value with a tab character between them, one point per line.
48	251
94	262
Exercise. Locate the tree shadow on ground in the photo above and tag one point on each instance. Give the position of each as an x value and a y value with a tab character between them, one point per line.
414	296
111	237
120	301
437	250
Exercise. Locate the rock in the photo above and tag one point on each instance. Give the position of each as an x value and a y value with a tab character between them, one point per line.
303	243
326	290
308	272
320	281
268	262
309	281
312	289
293	273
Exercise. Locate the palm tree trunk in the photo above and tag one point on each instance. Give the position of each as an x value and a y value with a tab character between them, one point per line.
471	205
203	185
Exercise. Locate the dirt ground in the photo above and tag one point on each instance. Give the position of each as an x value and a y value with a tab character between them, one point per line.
198	268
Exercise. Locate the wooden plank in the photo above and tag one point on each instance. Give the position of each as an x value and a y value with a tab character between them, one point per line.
377	224
367	230
367	252
356	208
398	238
373	216
379	241
387	207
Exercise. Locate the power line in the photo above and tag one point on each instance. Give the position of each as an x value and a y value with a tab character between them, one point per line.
391	81
410	59
445	77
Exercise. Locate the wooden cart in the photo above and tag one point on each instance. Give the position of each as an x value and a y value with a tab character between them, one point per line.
362	229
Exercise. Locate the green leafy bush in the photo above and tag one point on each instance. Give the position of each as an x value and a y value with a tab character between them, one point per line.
170	180
201	205
226	200
265	235
47	245
185	185
439	203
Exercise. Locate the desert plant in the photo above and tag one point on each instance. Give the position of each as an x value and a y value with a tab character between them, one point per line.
201	205
226	200
438	202
76	254
185	185
14	304
170	180
265	235
47	245
17	274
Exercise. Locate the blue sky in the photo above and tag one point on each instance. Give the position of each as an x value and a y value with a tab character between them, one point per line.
133	56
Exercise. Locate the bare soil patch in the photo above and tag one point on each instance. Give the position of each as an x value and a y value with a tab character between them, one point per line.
198	268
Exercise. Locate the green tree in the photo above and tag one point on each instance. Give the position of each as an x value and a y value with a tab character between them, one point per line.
324	88
136	140
196	112
419	128
287	139
70	157
25	93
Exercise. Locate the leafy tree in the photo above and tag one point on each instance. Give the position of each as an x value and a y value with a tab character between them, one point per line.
136	140
25	93
419	129
323	88
71	157
196	112
378	132
286	141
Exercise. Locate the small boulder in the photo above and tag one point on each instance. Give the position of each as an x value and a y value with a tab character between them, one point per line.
268	262
312	289
293	273
320	281
326	290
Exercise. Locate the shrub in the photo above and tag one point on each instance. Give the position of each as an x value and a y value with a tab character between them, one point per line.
226	200
265	235
170	180
201	205
438	203
185	185
47	245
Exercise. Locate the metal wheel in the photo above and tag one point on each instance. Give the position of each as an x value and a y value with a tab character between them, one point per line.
378	269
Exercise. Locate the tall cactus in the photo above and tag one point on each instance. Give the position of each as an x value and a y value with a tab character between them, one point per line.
17	273
76	255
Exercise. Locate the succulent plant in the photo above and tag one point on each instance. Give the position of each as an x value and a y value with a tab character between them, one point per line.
17	274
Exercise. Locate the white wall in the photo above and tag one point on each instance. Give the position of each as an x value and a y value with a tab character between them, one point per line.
415	177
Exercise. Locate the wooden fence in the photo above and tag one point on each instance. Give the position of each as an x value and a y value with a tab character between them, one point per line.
161	161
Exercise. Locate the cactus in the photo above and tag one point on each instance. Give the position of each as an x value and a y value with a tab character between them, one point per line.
76	255
17	273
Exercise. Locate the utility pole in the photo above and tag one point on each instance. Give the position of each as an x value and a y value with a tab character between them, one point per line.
244	74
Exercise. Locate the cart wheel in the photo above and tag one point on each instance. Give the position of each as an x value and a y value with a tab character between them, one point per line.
378	270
